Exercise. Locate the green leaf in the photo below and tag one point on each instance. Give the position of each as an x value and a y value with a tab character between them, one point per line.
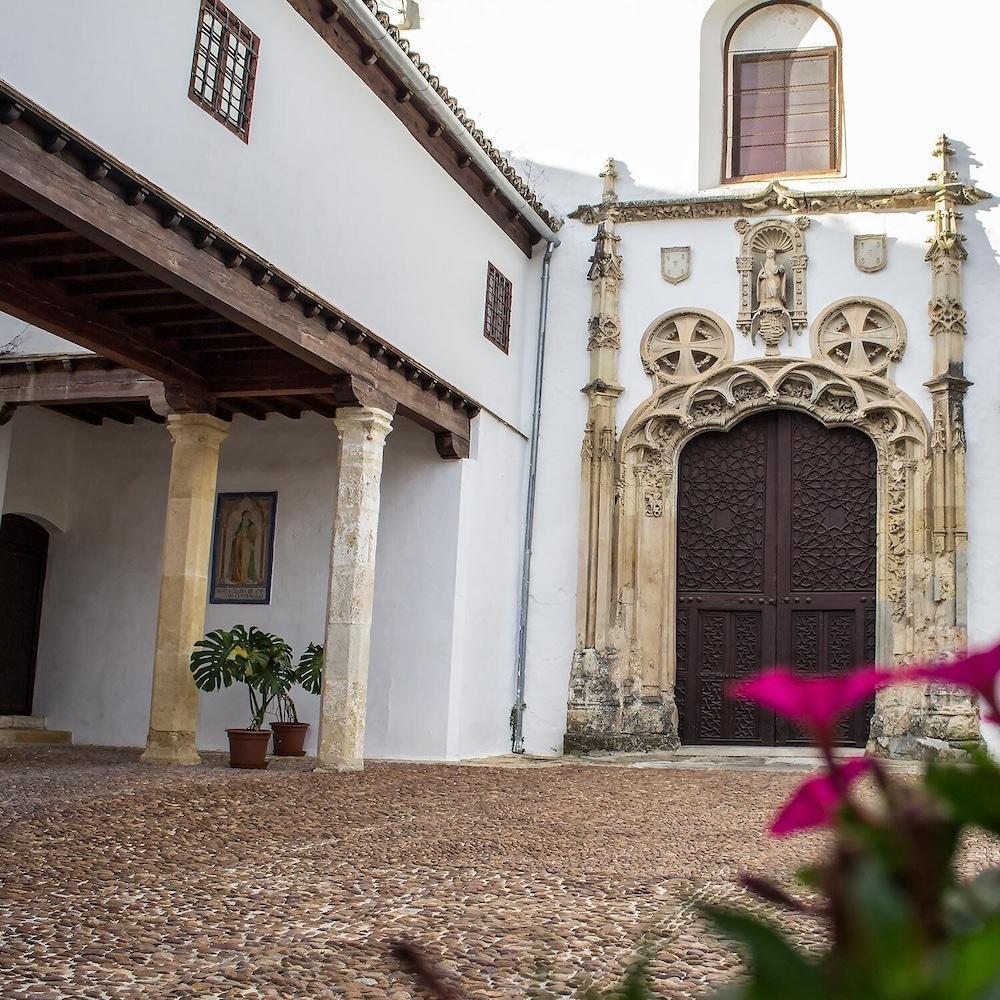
309	671
777	970
972	793
969	905
973	972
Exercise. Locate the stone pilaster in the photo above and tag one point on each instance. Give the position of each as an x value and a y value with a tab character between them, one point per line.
362	432
594	702
934	721
600	434
187	542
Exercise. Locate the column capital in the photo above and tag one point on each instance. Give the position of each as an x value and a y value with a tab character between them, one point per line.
197	428
371	421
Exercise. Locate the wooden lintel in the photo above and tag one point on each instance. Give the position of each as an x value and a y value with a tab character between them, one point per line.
20	387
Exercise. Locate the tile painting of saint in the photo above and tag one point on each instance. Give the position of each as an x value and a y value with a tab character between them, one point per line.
242	548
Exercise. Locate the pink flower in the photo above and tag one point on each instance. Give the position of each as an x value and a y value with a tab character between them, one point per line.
815	703
975	671
816	801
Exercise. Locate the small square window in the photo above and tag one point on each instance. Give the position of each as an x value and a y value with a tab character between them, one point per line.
224	67
496	326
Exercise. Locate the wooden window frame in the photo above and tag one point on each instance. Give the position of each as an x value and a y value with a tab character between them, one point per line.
499	292
217	9
739	59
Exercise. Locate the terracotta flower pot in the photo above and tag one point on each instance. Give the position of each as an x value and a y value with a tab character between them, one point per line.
248	748
289	738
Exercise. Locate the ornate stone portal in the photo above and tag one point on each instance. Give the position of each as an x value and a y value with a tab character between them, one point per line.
623	675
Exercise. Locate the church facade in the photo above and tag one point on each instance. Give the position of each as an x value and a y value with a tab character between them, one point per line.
320	339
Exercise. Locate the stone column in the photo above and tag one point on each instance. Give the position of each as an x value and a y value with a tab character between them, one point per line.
187	541
362	430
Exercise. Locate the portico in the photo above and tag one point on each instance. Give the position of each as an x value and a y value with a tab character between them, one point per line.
189	328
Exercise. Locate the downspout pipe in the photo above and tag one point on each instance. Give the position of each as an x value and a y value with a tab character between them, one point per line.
387	48
517	717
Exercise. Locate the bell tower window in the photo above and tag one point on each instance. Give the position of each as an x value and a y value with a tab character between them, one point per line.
783	108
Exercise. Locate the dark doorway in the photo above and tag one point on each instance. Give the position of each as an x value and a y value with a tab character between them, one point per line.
775	564
24	547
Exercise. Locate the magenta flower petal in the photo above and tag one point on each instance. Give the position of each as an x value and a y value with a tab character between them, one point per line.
815	703
976	671
816	801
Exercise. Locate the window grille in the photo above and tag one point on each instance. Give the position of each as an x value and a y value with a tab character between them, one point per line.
499	292
224	67
784	112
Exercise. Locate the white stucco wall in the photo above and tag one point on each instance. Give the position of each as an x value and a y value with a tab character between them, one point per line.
331	187
99	614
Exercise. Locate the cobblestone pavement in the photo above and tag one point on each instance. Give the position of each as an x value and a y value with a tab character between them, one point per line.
118	880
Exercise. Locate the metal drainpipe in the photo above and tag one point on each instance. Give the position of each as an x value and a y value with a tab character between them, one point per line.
517	728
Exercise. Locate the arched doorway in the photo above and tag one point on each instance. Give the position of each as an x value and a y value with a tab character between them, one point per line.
776	563
23	551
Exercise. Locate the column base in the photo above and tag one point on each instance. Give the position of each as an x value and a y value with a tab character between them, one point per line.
339	767
170	748
610	713
932	722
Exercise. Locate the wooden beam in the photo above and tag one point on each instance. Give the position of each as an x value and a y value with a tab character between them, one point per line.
118	412
249	408
79	413
278	404
50	308
20	387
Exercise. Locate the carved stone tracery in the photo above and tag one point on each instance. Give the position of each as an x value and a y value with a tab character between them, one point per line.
860	335
684	345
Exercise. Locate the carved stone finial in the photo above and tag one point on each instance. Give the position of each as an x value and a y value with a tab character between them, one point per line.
946	241
943	151
609	175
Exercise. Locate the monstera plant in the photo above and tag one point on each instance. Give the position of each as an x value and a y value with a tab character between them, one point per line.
263	662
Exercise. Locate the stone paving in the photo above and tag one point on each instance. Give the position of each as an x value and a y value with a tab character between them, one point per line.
119	880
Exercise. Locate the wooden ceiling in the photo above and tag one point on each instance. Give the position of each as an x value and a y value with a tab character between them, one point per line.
95	253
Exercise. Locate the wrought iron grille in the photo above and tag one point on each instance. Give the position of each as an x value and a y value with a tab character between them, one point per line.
499	292
224	67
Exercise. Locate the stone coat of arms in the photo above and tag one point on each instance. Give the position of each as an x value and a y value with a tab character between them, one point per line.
675	264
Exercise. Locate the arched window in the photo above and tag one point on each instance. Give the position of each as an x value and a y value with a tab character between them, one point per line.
783	92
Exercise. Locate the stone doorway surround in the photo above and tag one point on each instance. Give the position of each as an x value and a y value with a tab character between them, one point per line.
622	679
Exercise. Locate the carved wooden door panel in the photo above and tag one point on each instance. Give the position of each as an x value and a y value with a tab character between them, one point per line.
775	563
826	564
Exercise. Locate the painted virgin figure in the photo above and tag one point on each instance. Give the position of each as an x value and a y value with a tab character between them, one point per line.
243	553
771	284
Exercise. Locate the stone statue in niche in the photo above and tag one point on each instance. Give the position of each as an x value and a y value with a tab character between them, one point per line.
772	266
771	283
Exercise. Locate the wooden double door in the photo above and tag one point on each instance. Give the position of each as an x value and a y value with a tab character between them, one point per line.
776	563
23	552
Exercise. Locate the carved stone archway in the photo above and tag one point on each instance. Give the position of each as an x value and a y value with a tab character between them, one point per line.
622	696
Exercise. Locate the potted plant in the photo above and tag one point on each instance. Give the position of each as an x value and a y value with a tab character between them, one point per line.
289	733
262	662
